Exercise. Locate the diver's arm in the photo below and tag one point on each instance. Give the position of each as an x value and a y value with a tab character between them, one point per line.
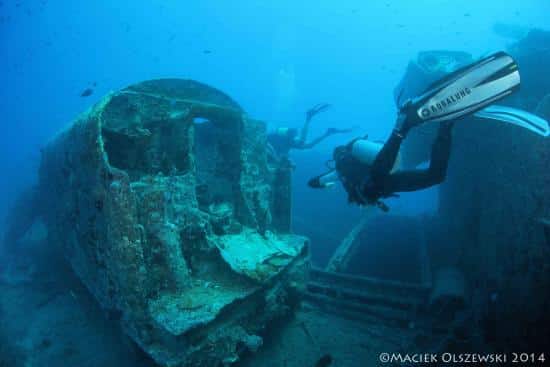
325	180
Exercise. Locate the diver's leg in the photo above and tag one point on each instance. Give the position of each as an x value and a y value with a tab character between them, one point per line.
441	152
314	142
329	132
385	159
303	132
309	115
405	181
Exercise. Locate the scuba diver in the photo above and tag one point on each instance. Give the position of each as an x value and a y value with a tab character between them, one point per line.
368	170
284	139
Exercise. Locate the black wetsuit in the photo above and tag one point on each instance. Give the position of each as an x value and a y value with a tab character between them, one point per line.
377	181
281	143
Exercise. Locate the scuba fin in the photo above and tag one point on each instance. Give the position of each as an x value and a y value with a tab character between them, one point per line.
521	118
465	91
333	130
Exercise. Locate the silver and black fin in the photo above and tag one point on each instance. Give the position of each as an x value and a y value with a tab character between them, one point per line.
466	90
517	117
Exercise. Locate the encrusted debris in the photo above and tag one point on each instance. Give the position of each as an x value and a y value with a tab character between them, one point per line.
163	202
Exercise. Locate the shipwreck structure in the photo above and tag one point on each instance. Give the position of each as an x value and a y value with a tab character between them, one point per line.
492	220
164	204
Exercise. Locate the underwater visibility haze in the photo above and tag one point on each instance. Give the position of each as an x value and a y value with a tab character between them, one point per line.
274	183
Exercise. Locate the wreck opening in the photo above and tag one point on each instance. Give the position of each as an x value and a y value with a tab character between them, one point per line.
147	140
217	147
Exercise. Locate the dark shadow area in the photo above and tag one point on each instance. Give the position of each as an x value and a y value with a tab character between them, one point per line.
390	249
48	317
217	148
322	215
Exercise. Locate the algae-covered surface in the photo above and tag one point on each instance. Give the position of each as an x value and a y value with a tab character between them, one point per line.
256	256
179	313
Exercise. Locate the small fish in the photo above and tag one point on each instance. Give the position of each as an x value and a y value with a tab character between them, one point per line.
87	92
324	361
206	52
199	120
467	15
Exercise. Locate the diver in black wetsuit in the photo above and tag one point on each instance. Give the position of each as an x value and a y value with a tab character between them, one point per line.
367	169
371	178
281	141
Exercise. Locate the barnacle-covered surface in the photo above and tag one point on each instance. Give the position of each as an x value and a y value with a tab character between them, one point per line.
162	201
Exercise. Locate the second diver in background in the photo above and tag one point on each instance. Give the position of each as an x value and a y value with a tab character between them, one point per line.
282	140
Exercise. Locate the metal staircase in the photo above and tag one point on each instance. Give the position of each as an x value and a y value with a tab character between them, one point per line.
365	299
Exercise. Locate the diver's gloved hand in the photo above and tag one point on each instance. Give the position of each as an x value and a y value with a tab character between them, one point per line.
315	183
324	180
316	109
